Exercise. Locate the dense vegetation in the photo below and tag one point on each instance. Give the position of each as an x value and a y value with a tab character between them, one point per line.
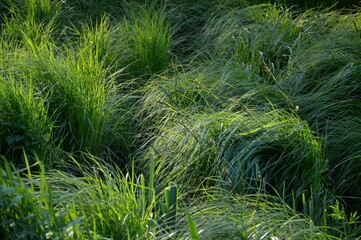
180	119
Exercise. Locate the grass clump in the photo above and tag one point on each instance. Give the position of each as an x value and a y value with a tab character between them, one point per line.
248	217
32	19
210	86
24	120
243	152
148	38
77	85
323	82
260	35
79	96
26	206
102	203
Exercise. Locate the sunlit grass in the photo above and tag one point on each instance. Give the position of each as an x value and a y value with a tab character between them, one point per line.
148	36
24	120
76	84
102	203
178	120
243	152
260	35
223	216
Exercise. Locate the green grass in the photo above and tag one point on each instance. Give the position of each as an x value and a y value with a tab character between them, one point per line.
77	94
260	35
103	203
148	35
248	217
323	82
243	152
24	120
179	120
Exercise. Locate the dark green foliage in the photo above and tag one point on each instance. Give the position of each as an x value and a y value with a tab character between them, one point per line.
324	3
92	10
324	82
306	4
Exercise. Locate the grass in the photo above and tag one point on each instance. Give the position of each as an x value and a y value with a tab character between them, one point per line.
250	214
57	204
326	93
103	203
243	152
24	120
149	39
179	120
260	35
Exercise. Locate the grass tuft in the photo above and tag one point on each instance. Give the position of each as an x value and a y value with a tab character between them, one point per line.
244	152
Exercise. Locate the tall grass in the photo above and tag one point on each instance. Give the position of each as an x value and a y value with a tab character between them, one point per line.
103	203
149	39
209	86
24	120
260	35
34	19
76	84
43	10
78	95
248	217
308	4
188	19
323	82
80	11
178	120
243	152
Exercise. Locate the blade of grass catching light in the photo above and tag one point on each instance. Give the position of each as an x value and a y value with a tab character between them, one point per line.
192	226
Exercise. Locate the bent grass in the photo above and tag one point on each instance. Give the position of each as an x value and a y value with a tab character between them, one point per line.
259	91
